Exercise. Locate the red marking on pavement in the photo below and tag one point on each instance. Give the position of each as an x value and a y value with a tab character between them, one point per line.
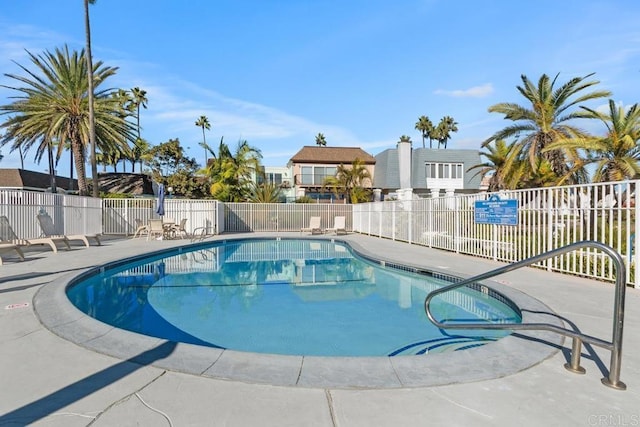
19	305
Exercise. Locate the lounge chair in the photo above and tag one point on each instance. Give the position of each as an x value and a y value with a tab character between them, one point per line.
8	246
49	230
314	226
8	235
141	228
339	226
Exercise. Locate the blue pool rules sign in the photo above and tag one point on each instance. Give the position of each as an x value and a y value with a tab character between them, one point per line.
496	211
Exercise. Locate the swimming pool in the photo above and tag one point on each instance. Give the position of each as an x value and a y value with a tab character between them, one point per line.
286	297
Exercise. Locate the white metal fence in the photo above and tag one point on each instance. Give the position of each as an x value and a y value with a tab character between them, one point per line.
119	215
548	218
70	214
281	216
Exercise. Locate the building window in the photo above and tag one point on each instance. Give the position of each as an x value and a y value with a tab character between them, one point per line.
273	178
444	170
315	175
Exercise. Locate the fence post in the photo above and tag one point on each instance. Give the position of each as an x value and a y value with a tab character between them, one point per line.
636	237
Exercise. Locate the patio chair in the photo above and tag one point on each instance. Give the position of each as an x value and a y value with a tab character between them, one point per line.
339	226
49	230
156	228
8	235
179	229
141	228
314	226
8	246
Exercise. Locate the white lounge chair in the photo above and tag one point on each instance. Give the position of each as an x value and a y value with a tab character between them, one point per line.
8	235
314	226
339	226
49	230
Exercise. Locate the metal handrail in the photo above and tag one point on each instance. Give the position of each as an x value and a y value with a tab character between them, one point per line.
615	345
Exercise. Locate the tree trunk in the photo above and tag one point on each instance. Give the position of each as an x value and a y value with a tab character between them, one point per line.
76	147
52	170
92	129
71	169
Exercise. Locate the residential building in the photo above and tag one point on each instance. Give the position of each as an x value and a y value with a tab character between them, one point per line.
433	172
312	165
281	177
129	183
22	179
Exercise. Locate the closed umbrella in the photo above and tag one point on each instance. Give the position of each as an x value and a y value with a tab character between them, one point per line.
160	209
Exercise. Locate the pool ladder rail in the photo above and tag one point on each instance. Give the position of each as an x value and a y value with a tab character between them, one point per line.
615	345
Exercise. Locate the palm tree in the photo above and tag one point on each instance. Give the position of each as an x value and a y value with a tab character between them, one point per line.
203	122
267	192
425	127
92	131
139	100
140	149
54	107
616	154
405	138
350	181
443	131
320	140
546	121
232	174
499	164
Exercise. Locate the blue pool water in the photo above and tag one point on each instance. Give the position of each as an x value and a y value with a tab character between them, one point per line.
286	296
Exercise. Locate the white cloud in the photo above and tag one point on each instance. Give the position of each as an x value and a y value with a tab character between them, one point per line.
473	92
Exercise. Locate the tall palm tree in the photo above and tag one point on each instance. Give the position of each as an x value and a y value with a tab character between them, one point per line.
320	140
140	149
349	181
546	120
139	99
90	85
443	131
616	155
203	122
53	106
425	126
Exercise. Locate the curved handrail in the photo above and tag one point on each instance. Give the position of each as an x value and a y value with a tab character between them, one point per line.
615	346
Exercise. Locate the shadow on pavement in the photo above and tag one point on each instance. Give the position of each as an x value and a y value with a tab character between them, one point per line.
53	402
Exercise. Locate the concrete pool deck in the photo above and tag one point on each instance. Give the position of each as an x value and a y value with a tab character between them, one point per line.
48	380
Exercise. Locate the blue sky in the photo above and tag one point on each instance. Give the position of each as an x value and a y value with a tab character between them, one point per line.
276	73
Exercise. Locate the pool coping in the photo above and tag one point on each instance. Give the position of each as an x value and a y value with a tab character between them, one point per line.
501	358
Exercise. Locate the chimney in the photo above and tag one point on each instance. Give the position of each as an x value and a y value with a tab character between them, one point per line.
404	162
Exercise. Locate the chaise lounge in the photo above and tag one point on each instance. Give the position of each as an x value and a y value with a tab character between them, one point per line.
8	235
49	230
339	226
8	246
314	226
